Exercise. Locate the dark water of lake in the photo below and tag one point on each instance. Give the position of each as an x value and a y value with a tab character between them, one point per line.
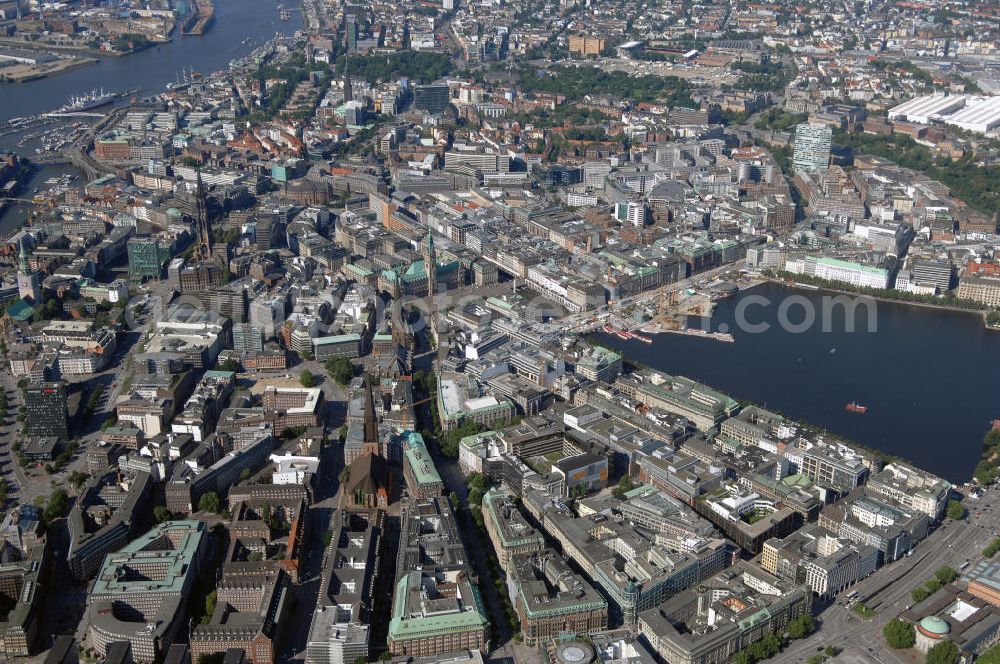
930	378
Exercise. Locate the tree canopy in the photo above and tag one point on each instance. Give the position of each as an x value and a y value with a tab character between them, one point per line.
577	82
945	575
771	76
56	505
419	65
899	634
801	627
449	441
759	650
307	379
945	652
991	656
340	369
209	502
624	486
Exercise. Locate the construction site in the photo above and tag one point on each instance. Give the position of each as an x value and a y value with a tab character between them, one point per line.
671	309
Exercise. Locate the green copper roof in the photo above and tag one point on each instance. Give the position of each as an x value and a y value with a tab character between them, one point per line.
416	269
404	627
499	303
508	538
360	271
848	265
419	459
797	480
174	563
337	339
935	626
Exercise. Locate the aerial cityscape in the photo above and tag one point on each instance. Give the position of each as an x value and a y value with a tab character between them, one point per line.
500	332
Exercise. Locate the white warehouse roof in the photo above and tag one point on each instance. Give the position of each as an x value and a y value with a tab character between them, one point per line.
980	114
973	113
923	109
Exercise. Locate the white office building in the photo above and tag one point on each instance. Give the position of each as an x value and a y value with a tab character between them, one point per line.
812	147
833	269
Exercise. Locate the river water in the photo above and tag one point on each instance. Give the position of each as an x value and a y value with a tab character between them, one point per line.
240	26
930	378
151	69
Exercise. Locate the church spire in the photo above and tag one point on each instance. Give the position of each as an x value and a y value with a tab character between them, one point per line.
22	258
429	244
430	262
203	249
29	284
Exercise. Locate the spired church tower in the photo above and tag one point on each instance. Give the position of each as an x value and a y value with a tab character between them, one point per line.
430	263
203	230
29	284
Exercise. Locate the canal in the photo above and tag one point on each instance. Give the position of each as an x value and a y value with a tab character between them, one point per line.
929	377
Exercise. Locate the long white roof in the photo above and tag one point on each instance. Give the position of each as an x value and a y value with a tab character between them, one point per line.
983	113
928	105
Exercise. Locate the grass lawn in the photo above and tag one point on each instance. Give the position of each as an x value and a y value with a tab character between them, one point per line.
863	611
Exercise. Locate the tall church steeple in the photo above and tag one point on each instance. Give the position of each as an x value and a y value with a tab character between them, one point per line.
204	247
430	262
29	284
22	258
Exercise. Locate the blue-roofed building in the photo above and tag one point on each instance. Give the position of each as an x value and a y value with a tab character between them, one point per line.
984	581
21	311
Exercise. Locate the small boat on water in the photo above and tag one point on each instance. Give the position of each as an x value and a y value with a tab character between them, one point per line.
855	407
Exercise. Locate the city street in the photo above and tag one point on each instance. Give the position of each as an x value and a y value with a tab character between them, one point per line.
887	591
324	514
505	649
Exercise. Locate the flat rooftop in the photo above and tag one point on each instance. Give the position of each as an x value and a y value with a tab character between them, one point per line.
165	554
